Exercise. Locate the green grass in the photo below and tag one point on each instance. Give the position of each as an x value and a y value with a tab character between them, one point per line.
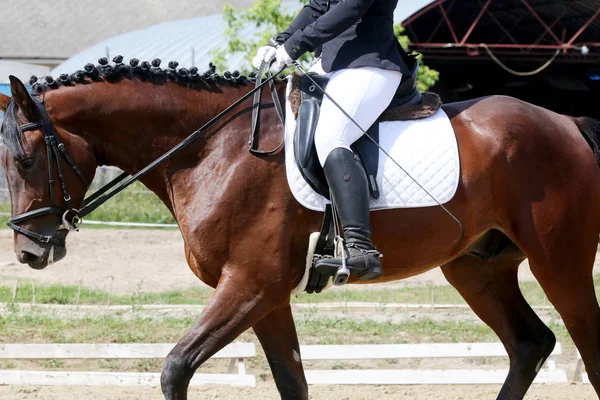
134	204
67	294
40	328
4	208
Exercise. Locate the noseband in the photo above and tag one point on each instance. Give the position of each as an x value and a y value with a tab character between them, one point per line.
54	149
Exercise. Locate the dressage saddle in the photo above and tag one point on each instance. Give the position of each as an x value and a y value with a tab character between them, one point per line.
368	152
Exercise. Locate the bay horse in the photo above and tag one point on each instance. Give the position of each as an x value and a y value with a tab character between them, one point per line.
530	179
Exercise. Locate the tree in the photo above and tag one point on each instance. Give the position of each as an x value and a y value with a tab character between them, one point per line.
270	17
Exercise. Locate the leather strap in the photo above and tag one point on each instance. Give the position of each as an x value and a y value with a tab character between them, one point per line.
38	212
36	236
256	111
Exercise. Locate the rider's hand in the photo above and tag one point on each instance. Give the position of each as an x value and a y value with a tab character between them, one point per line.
283	59
264	53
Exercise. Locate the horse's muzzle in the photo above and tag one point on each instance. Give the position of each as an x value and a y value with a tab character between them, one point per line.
38	255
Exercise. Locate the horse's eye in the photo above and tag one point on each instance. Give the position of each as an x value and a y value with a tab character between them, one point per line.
26	163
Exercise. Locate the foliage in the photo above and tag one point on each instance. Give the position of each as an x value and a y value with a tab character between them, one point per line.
270	17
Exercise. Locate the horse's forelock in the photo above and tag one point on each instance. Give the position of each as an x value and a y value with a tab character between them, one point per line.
10	134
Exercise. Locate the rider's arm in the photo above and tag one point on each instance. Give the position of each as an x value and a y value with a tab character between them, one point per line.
326	27
309	14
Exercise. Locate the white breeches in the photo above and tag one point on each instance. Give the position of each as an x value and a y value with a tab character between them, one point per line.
364	93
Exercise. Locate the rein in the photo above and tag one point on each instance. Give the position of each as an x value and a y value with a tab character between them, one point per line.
71	217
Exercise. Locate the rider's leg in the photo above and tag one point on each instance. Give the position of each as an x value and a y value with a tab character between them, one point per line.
364	93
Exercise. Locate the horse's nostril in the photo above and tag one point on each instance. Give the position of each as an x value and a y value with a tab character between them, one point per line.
27	257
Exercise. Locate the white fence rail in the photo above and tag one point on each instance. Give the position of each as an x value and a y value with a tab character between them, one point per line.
580	374
418	377
237	352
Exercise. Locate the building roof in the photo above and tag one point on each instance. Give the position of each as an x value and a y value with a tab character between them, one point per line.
62	28
20	70
191	42
59	29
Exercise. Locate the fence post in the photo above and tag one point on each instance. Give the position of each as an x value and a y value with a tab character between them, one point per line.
32	294
78	293
15	289
432	297
139	289
112	279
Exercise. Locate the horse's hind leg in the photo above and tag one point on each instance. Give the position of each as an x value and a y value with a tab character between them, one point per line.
277	335
566	277
237	304
491	289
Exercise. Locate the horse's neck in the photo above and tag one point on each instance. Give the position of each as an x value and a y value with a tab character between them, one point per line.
130	124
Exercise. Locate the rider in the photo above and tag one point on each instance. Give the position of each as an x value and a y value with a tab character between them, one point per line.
358	50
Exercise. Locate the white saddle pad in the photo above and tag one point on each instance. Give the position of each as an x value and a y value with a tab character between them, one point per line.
425	148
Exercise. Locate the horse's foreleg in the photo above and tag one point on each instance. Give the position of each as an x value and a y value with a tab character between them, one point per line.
236	305
491	289
277	335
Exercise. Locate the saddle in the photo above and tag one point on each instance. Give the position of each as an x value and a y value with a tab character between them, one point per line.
408	103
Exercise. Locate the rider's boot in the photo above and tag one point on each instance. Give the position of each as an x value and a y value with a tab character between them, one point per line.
348	185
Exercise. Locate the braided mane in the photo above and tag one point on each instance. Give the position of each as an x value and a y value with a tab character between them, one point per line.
145	71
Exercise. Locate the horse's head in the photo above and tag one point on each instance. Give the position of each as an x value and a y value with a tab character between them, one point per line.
47	170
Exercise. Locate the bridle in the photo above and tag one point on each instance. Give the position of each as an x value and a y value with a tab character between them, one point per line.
72	217
55	150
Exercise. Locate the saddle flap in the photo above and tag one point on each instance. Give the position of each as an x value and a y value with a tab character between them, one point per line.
305	151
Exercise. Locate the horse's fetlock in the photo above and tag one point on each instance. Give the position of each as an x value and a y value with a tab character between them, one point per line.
176	371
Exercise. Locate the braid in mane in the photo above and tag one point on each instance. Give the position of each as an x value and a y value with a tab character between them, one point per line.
145	71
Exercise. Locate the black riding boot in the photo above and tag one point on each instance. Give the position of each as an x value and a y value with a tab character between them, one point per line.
349	188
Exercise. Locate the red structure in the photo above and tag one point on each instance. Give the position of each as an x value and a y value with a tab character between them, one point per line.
527	46
518	28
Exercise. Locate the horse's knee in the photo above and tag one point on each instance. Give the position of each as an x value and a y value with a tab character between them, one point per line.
175	377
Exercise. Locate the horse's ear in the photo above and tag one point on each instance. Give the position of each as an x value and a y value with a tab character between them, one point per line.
4	100
22	97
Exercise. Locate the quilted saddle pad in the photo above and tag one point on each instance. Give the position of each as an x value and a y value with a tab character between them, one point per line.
425	148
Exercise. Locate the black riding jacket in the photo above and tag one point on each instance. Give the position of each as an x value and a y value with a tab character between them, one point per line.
347	34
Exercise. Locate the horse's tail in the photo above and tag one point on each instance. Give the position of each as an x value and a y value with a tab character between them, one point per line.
590	129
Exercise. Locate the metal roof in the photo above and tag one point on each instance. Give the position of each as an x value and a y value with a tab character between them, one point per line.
189	42
20	70
58	29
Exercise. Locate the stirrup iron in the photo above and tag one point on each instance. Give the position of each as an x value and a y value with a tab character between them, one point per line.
343	273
